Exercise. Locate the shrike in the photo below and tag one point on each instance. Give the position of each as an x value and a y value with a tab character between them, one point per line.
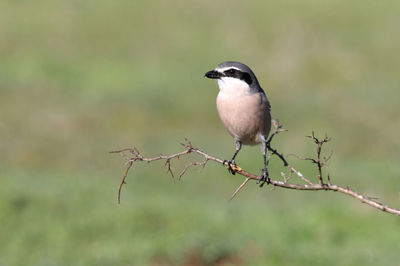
244	108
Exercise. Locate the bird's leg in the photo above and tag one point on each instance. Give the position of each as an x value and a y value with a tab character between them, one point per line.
238	146
264	178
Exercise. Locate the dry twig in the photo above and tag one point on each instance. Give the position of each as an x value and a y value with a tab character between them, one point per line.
321	163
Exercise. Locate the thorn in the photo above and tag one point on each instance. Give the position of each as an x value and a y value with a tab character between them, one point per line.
239	188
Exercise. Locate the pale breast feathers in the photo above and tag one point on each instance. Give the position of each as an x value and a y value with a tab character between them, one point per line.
245	116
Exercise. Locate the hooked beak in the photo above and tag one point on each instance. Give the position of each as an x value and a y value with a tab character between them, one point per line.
212	74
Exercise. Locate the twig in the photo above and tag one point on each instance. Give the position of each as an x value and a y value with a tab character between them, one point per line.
123	182
203	164
169	169
309	186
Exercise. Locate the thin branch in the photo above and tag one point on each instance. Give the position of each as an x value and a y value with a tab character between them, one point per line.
308	186
203	164
169	169
123	182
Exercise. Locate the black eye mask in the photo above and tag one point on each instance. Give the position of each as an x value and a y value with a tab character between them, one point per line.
234	73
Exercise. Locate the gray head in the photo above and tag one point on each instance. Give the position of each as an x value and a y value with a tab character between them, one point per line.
238	72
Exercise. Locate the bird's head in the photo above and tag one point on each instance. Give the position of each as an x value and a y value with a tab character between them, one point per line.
234	77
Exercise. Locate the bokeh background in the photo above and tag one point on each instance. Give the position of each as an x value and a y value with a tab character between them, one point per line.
81	78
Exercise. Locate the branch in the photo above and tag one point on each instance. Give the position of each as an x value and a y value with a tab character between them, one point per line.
132	155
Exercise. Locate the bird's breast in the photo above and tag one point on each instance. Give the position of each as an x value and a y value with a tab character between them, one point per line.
245	116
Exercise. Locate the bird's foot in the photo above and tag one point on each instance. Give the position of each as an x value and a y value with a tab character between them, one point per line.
230	163
264	178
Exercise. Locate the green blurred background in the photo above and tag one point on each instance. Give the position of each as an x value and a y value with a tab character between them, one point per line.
81	78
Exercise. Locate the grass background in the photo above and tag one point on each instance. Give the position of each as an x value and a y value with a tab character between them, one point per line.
81	78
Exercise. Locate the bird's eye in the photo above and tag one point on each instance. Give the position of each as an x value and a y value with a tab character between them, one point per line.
230	71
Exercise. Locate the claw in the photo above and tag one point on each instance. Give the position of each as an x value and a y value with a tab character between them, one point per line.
230	163
264	178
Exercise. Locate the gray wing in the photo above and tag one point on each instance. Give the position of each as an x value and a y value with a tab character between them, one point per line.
266	115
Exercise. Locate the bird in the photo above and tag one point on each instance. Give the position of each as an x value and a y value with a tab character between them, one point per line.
243	108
